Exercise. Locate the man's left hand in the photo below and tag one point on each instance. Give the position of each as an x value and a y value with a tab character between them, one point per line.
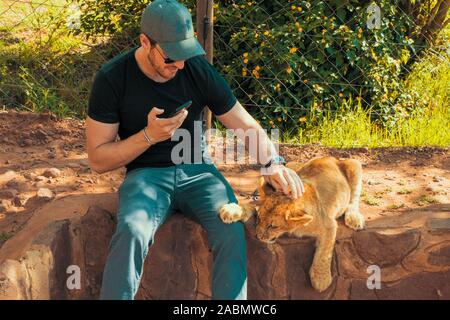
285	179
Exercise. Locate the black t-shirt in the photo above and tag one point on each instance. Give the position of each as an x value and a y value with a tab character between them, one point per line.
122	93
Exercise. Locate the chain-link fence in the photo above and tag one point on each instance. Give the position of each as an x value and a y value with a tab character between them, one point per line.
46	61
287	58
288	62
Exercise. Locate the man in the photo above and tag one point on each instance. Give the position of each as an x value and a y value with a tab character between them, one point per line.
129	96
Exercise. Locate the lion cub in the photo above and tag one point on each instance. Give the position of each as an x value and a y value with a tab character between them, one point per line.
332	188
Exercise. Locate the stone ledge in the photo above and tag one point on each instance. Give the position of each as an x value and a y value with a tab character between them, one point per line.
414	262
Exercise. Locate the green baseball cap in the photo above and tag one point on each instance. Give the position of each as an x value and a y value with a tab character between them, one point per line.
169	23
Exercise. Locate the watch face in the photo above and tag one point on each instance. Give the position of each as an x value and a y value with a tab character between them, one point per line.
275	160
280	159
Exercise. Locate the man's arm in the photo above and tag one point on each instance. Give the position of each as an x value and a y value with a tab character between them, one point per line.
106	154
281	177
239	118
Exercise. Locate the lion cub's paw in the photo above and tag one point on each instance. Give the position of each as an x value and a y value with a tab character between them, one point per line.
320	278
354	220
231	212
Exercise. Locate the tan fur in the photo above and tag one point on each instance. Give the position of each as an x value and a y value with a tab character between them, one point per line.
332	188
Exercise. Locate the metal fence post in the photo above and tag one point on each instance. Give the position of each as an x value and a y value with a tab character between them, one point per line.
205	37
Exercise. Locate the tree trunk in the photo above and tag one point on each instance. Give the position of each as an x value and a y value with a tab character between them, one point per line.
436	22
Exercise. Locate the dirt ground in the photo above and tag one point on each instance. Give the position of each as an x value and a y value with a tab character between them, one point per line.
39	153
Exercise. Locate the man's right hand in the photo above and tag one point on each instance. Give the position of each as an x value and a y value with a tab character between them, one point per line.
160	129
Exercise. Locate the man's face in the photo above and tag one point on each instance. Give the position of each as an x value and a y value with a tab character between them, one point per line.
155	58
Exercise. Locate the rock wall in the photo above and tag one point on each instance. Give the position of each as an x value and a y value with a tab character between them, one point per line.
411	249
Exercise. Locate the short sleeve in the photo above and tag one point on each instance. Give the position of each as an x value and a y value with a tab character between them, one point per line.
220	97
103	100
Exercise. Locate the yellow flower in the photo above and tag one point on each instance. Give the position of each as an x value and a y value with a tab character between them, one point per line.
279	119
359	35
277	88
266	33
344	28
299	9
324	30
360	30
293	50
244	72
257	68
297	24
255	73
341	94
300	29
271	122
293	7
245	60
245	55
289	70
305	81
302	119
256	35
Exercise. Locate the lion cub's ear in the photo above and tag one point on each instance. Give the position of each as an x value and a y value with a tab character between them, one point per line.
298	216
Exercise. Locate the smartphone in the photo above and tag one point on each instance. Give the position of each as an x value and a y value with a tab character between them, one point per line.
177	110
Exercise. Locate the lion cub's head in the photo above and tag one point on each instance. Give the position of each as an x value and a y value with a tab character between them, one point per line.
278	214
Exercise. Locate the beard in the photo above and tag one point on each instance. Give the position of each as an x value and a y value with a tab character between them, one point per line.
163	73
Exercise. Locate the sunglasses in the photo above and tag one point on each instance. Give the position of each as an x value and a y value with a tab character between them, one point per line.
153	43
166	60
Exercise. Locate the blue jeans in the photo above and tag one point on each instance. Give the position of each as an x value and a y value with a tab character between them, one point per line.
147	197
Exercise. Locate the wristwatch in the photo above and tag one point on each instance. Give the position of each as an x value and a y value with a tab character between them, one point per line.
275	160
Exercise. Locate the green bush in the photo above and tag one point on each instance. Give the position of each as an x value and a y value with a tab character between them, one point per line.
313	55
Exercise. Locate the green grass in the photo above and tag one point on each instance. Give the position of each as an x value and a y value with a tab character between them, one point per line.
25	13
5	236
369	199
352	127
425	200
395	206
42	66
